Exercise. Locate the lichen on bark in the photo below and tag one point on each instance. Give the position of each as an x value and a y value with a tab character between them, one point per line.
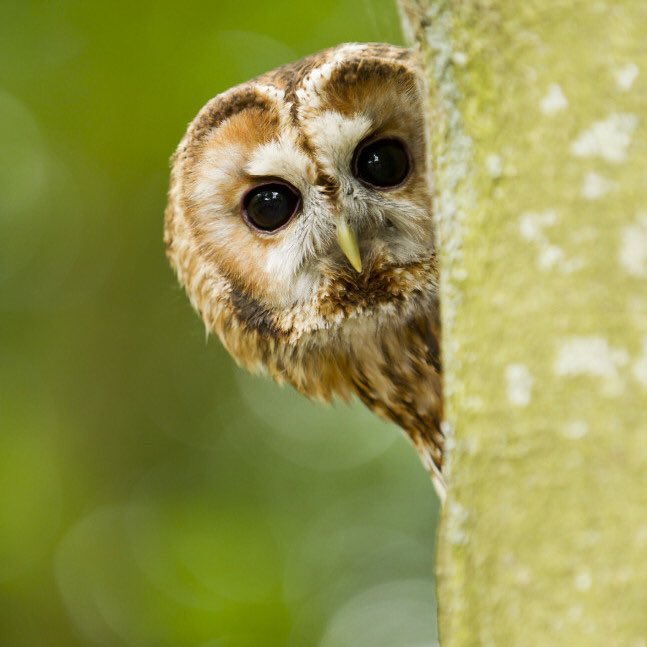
539	150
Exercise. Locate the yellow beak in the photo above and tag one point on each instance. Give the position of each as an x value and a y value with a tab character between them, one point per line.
347	240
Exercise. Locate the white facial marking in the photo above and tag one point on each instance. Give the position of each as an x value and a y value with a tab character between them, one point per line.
280	158
218	169
292	262
336	136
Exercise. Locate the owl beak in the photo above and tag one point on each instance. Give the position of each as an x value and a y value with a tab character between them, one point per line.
347	240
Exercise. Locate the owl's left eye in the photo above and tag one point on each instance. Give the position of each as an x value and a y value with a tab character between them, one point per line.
382	163
269	206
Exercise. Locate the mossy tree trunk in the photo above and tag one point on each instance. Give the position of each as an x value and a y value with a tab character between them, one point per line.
538	121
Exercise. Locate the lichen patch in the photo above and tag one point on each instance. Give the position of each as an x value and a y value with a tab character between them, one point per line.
583	581
494	165
575	429
639	368
519	383
591	356
595	186
554	101
549	256
632	253
607	139
532	226
456	519
625	76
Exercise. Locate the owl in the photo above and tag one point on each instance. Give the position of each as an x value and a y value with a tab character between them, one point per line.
299	223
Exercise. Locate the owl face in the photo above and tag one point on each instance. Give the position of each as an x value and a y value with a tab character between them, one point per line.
299	215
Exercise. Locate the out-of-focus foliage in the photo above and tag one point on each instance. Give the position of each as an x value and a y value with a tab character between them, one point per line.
150	493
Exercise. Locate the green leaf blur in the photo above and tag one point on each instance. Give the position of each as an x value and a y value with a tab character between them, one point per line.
151	494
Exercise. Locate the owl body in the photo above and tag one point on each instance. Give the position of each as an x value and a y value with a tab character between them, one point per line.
299	222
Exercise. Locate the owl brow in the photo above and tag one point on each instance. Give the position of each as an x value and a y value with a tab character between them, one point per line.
225	107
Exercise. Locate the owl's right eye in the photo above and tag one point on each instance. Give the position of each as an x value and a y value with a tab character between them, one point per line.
270	206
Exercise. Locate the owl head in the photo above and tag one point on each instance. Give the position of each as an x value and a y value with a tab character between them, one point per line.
299	217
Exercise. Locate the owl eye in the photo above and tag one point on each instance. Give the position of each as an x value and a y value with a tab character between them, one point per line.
270	206
382	163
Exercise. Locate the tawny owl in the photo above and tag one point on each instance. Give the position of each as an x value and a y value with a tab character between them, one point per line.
299	222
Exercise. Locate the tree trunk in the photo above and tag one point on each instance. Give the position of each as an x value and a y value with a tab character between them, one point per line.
538	126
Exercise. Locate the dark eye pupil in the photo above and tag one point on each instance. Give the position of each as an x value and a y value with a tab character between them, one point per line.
270	206
382	163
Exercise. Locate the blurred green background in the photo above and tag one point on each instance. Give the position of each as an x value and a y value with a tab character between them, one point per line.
151	494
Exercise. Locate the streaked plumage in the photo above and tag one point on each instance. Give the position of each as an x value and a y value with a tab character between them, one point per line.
291	301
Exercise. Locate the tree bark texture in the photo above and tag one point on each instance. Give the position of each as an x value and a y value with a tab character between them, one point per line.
538	129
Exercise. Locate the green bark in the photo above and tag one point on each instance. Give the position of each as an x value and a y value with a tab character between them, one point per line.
538	128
